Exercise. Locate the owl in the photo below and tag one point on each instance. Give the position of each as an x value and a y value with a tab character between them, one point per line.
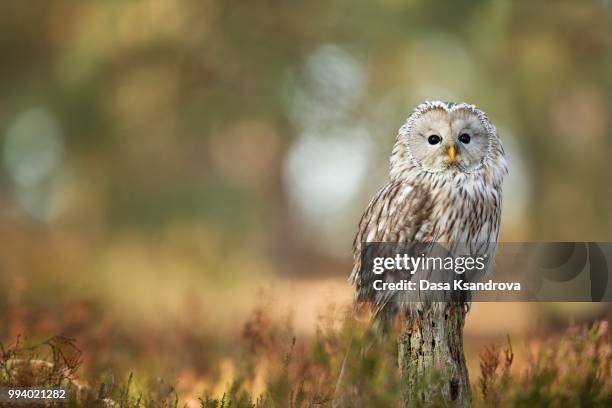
445	185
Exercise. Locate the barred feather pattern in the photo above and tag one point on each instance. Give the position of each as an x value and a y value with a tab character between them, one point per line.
424	205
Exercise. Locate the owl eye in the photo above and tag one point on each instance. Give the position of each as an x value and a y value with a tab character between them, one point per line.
434	139
464	138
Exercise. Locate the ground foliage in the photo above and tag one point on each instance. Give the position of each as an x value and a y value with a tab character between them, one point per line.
274	368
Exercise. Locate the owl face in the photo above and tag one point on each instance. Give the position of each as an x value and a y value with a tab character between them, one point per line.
448	139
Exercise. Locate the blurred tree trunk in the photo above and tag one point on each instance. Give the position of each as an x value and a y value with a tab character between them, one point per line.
431	360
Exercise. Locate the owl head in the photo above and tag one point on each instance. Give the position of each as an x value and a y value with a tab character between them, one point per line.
447	138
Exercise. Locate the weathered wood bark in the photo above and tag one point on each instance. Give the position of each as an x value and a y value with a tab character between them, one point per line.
431	359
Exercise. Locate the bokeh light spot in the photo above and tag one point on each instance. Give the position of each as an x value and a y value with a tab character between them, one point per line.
33	147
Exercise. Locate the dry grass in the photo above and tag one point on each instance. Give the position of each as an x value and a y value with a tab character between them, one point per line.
270	366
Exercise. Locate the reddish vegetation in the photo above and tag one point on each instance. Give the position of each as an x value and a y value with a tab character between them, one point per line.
268	365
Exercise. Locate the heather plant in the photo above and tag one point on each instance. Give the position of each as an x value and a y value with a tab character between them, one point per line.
346	363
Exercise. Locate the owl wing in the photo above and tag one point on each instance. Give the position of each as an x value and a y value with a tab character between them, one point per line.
399	212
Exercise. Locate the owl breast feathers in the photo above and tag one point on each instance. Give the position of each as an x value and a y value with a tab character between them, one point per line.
446	174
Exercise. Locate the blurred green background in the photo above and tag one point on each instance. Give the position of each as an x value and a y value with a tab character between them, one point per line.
160	160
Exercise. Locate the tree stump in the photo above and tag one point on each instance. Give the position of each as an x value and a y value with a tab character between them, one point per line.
431	359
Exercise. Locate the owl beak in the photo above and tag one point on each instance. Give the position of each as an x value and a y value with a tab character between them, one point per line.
452	152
